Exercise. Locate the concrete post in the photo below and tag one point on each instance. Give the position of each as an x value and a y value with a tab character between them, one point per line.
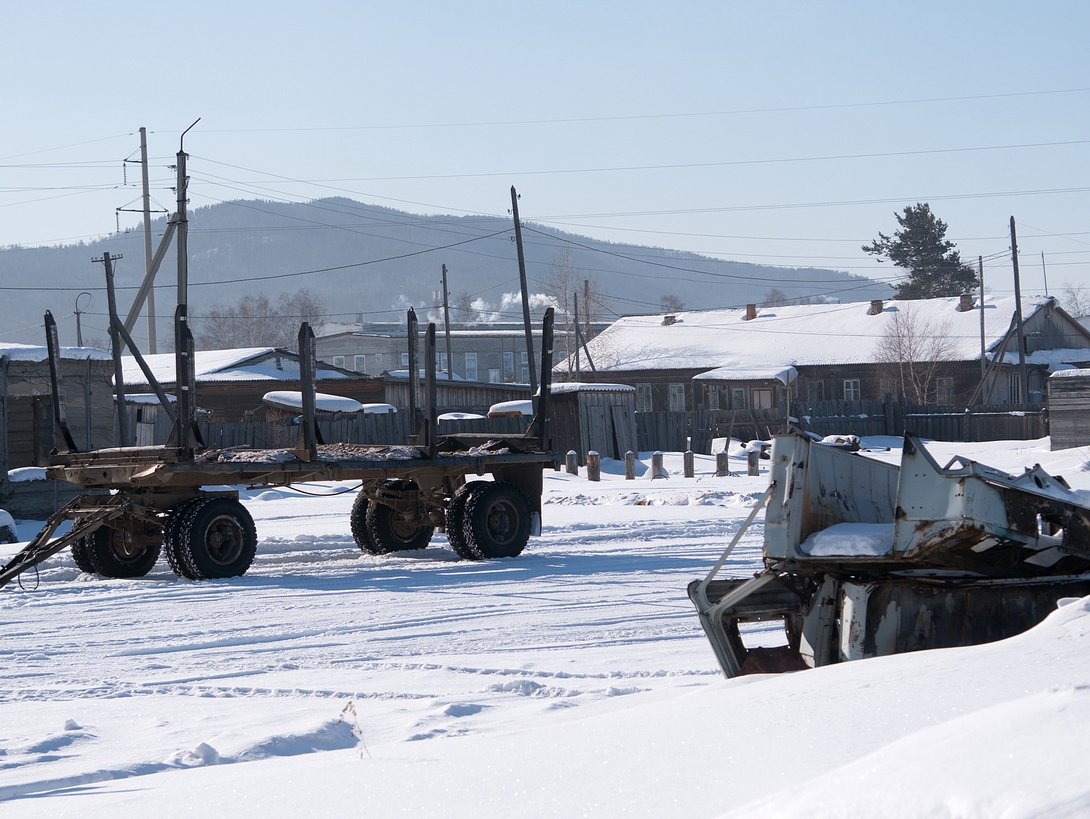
630	466
657	469
690	466
572	462
722	464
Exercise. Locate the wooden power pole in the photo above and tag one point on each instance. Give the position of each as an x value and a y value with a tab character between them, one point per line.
446	325
1023	374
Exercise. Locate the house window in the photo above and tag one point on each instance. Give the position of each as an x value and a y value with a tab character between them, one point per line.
762	399
944	390
817	390
509	366
525	377
713	398
677	398
359	363
494	375
851	389
471	366
443	362
643	398
404	359
737	398
338	361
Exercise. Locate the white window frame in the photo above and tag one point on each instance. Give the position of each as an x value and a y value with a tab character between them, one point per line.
404	359
643	398
852	391
338	361
471	366
676	393
359	362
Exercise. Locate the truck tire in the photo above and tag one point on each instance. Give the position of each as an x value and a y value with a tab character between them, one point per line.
129	549
217	539
456	518
357	520
391	531
175	521
497	521
81	553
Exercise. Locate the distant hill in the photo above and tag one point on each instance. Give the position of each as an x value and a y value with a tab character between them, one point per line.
371	263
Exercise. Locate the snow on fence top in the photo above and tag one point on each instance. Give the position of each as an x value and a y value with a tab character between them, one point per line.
581	386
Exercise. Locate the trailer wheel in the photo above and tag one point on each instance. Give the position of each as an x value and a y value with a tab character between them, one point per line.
129	549
81	553
357	520
393	531
217	539
171	540
456	518
497	520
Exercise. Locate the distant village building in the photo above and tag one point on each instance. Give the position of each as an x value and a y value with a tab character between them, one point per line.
493	353
756	358
231	383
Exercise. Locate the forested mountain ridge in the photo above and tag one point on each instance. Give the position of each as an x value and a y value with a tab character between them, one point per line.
365	262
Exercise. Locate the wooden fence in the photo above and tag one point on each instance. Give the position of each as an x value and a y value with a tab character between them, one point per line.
997	422
678	431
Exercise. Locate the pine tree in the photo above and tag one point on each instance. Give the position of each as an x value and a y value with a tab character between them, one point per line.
920	246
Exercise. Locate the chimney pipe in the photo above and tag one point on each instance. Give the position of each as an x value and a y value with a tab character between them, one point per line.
668	320
966	303
751	312
875	307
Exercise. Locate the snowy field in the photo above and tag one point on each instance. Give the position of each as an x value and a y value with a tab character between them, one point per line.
571	681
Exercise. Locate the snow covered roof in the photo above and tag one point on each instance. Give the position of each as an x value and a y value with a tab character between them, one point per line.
523	407
244	364
784	375
323	402
1061	358
781	337
581	386
34	353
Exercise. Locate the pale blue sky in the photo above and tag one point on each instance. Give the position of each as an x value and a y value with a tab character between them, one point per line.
441	107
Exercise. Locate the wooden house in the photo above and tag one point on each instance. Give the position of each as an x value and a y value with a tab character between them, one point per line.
1069	408
757	358
26	402
231	383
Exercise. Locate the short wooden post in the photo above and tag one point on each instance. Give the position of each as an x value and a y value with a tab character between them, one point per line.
690	464
657	469
572	462
753	461
722	464
630	466
594	466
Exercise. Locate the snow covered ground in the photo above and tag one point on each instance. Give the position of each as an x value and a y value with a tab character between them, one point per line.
571	681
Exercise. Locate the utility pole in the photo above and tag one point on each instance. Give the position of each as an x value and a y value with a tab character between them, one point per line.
183	222
148	256
586	307
983	362
525	297
575	326
446	325
1044	271
1023	375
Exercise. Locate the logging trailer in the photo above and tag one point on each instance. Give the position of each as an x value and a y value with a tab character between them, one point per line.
138	502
